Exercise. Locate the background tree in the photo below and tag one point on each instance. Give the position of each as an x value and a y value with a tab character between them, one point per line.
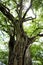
13	25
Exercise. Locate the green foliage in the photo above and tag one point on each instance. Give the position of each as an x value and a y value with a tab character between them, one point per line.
37	4
3	47
4	57
35	28
37	54
7	25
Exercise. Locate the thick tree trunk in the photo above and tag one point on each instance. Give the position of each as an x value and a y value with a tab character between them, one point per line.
18	52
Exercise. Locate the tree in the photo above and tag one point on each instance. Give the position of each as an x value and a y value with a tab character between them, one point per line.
14	27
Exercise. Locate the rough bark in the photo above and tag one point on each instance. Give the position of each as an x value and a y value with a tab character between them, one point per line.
17	50
16	53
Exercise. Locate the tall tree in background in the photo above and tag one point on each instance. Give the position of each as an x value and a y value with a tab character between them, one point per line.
19	41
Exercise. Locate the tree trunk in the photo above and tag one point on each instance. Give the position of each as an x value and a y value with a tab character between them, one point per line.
17	50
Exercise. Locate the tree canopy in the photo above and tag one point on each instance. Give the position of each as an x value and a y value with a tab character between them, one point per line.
7	26
22	20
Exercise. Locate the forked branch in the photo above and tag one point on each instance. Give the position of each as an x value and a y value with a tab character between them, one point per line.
27	10
7	13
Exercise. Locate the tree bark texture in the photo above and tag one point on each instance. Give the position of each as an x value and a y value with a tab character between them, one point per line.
18	50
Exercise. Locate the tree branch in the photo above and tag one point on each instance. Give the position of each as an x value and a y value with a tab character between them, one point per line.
41	35
6	12
4	31
15	1
27	19
36	30
19	9
27	10
21	2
